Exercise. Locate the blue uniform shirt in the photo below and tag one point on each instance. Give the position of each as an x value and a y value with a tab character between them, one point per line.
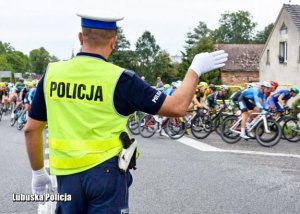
131	94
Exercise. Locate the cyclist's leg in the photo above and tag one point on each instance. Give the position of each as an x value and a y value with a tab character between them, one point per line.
243	104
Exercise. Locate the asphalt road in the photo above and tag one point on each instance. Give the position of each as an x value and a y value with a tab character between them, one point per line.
173	177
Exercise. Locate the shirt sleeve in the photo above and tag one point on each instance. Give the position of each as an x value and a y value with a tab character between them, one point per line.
133	94
38	109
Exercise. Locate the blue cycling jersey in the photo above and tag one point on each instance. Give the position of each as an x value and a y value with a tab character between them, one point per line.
169	91
30	95
255	95
286	95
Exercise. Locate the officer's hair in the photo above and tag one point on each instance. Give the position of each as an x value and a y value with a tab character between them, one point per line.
97	37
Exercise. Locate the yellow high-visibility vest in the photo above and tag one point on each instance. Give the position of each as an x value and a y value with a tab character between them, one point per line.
83	124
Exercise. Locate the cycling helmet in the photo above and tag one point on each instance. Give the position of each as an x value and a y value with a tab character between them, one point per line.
295	90
265	84
274	84
212	87
177	83
224	87
29	84
203	85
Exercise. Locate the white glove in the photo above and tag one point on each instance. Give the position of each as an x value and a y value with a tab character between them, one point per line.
204	62
41	182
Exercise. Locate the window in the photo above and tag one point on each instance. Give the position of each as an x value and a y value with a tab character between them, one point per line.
268	57
283	29
283	43
282	52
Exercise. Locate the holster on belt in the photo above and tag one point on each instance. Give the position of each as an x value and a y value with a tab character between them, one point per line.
128	155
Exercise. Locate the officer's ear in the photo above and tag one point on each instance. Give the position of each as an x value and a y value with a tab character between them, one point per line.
113	42
80	36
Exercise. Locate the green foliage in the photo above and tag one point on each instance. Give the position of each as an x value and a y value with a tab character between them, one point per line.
163	67
4	65
262	36
146	52
18	61
295	105
235	28
122	55
39	59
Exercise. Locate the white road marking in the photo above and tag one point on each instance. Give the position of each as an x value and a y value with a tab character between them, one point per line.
208	148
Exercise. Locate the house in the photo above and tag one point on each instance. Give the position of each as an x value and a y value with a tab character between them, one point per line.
5	75
280	59
242	66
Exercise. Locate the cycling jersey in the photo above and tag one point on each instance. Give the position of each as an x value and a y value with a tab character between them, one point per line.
235	98
19	87
254	96
286	95
29	96
23	93
169	91
273	100
212	99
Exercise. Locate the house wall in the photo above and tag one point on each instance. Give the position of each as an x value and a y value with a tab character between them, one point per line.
239	77
284	73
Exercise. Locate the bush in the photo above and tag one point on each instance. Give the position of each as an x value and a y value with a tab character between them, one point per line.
295	108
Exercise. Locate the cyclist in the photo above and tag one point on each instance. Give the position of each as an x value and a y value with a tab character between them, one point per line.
213	97
174	85
21	96
2	93
31	86
278	101
253	99
274	86
19	88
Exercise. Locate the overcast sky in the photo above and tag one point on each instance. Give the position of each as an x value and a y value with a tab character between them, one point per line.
52	24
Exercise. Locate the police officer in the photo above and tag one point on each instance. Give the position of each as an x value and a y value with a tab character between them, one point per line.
86	102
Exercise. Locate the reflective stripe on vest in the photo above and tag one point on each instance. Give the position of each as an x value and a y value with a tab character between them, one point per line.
83	125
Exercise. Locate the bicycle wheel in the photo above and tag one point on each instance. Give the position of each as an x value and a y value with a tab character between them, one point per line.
201	126
227	134
175	128
20	126
291	130
270	138
13	120
218	121
148	126
133	124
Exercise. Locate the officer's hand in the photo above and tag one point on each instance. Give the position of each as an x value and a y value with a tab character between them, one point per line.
41	182
204	62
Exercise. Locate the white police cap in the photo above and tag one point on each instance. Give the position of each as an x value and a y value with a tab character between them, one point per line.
98	19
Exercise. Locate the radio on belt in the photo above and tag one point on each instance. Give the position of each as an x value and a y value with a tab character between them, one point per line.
127	157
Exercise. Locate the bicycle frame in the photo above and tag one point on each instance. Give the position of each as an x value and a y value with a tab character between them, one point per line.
257	119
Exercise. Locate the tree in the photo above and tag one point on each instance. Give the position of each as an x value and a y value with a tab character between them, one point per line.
235	28
122	55
146	52
18	61
199	32
39	59
164	68
4	65
262	36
